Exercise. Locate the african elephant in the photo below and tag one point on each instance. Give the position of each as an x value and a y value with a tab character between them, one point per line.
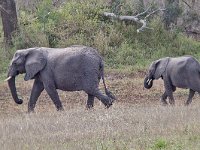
181	72
73	68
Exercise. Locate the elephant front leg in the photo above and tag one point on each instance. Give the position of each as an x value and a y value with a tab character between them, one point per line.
90	101
51	90
164	99
35	93
169	88
191	95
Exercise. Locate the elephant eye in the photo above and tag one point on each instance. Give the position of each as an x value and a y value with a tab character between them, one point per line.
14	62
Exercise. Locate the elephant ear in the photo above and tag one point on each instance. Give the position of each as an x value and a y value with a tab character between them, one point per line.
35	62
160	67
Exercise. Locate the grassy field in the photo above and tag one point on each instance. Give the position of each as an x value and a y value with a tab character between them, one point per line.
136	120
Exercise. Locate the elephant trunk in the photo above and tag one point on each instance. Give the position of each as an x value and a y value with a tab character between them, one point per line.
11	84
148	82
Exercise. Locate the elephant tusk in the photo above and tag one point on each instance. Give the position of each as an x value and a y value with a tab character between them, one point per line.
8	78
148	81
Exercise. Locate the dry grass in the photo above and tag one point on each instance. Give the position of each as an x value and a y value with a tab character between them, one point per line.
135	121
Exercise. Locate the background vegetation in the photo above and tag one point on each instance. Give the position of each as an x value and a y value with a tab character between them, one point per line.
82	22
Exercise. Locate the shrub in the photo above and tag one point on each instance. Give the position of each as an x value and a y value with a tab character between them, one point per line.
159	144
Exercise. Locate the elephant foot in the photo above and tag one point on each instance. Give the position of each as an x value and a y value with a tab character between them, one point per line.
172	103
109	103
31	111
163	102
187	103
60	109
89	107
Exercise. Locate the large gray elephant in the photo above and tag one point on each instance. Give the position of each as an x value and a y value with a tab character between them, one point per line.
69	69
181	72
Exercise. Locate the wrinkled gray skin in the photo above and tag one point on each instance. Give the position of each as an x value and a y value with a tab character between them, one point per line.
69	69
181	72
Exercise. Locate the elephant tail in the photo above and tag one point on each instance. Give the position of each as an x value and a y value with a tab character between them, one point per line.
108	93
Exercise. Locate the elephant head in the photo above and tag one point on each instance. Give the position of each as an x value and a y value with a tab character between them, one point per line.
29	61
156	70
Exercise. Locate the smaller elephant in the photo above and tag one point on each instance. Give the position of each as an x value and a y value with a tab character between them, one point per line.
75	68
181	72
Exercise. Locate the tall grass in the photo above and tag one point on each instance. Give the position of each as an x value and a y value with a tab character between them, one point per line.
121	127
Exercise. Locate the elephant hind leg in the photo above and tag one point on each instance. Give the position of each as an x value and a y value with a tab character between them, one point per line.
107	101
90	101
191	95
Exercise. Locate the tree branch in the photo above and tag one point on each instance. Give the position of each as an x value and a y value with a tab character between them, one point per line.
140	14
153	12
186	4
134	18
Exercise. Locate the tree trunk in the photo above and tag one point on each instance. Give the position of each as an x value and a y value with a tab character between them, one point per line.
176	6
193	3
9	19
171	13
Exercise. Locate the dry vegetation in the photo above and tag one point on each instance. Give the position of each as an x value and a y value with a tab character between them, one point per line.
135	121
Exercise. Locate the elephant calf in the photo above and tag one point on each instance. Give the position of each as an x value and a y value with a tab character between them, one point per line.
69	69
181	72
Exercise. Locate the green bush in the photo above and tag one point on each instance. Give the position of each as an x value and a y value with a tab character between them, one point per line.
160	144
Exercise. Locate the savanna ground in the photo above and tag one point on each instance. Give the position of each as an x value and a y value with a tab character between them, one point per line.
136	120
